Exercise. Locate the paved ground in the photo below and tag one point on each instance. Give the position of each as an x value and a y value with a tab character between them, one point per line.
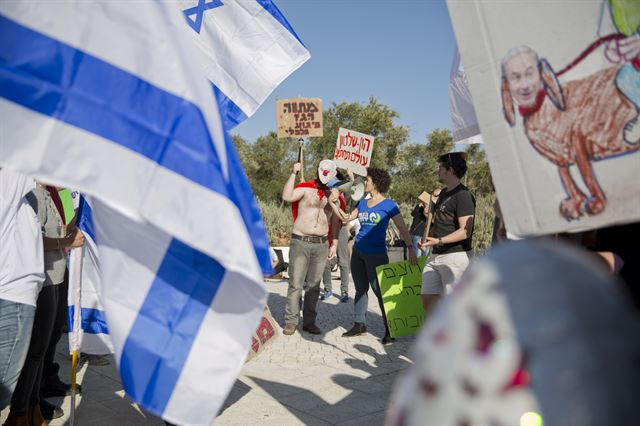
299	379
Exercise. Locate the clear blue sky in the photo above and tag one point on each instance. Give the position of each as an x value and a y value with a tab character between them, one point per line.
399	51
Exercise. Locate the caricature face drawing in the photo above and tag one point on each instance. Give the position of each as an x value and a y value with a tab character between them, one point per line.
523	76
574	123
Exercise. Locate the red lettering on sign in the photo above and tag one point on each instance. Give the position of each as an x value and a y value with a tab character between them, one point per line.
265	330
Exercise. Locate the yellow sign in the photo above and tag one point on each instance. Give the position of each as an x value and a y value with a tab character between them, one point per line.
400	284
299	117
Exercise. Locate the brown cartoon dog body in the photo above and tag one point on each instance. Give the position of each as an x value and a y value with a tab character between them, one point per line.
576	123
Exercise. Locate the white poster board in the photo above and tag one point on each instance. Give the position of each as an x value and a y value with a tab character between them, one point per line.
353	151
557	103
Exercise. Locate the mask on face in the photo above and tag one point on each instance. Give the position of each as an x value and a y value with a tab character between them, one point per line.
326	171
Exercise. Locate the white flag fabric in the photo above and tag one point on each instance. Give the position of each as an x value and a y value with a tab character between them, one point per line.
249	47
109	99
91	335
465	129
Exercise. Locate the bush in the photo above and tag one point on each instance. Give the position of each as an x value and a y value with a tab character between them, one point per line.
279	221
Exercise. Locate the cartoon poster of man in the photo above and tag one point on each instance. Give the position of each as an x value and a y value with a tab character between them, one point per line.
562	126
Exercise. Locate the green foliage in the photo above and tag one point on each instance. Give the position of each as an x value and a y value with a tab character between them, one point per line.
279	221
483	223
478	177
373	119
419	167
414	167
268	163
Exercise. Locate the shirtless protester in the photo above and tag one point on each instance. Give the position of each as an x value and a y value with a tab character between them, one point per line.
309	248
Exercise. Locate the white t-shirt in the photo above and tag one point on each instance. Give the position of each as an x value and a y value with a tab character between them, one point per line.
21	251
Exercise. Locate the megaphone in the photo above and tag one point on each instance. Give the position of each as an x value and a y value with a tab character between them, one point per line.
354	189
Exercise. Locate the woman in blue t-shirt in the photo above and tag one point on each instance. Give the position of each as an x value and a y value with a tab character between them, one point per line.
370	248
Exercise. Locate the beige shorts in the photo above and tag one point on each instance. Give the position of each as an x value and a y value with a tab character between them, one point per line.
442	271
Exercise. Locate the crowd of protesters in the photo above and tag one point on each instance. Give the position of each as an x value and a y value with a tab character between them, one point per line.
442	228
37	232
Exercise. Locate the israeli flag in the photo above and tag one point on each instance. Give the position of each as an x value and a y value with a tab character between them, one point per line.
90	333
109	99
249	47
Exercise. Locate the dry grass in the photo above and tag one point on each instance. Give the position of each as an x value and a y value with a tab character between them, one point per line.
279	221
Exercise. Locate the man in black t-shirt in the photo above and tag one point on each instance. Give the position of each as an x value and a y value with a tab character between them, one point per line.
451	233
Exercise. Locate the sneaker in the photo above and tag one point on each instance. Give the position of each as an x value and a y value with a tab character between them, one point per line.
312	328
289	329
344	298
50	411
327	294
358	329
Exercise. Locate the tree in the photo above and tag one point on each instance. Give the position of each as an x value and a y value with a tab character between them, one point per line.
268	163
478	178
374	119
418	167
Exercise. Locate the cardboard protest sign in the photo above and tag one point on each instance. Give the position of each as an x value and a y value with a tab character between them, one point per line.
299	117
556	87
266	333
400	284
353	150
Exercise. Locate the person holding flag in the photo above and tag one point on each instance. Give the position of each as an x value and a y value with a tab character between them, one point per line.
44	199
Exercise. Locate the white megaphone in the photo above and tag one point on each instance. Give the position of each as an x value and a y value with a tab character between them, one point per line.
354	189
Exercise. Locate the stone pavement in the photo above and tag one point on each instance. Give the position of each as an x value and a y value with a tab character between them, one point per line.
298	380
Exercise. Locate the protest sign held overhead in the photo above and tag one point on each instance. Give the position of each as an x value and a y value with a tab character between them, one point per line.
299	117
353	151
556	87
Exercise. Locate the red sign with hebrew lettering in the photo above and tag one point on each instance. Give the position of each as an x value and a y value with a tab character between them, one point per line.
266	333
353	151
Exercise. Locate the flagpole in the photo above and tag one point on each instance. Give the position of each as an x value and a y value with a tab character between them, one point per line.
301	158
76	262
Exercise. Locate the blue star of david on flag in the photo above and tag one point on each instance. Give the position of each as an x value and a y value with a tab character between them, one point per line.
198	11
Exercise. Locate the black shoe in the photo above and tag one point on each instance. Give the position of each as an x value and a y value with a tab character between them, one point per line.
344	298
56	387
387	339
313	329
94	360
50	411
358	329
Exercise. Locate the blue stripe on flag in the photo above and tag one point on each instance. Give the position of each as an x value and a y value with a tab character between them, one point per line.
55	79
92	321
167	324
277	15
230	113
85	218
